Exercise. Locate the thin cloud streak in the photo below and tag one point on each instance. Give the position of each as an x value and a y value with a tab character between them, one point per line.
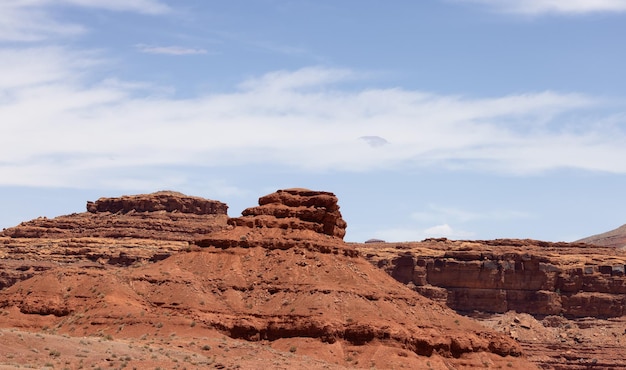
170	50
416	234
436	213
32	20
540	7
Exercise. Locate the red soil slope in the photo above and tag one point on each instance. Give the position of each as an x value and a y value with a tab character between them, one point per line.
279	278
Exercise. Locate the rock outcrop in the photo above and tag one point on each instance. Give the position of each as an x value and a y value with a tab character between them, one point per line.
280	274
579	286
296	209
285	219
122	231
168	201
163	216
539	278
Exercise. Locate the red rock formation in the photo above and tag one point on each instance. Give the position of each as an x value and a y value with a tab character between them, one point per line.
168	201
162	216
286	219
257	294
535	277
492	278
281	272
300	209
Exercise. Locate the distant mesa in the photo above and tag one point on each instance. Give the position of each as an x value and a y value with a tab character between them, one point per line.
168	201
614	238
371	241
164	215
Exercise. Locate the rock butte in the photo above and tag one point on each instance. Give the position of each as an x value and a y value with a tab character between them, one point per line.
175	268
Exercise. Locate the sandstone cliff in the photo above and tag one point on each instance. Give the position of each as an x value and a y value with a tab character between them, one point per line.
540	278
551	281
163	215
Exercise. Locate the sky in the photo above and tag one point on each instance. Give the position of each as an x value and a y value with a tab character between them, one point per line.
466	119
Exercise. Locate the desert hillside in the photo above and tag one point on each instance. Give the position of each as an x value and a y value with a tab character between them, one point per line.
168	280
614	239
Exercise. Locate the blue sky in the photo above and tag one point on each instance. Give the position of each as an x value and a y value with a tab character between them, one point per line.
470	119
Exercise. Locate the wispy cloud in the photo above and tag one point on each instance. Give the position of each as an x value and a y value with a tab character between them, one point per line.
138	6
22	22
57	129
33	20
435	222
436	213
415	233
538	7
170	50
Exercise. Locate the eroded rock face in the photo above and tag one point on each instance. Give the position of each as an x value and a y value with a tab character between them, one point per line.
257	294
168	201
286	219
161	216
300	209
281	272
535	277
579	284
121	231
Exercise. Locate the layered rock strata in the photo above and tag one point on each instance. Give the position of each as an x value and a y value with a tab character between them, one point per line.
122	231
576	292
287	218
539	278
163	215
280	272
296	209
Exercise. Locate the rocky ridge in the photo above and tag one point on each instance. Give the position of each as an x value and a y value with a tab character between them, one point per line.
161	216
280	275
539	278
572	281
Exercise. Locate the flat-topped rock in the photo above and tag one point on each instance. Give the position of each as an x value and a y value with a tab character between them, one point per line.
168	201
163	215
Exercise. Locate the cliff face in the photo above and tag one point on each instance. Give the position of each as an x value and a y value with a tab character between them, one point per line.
539	278
576	293
163	215
120	231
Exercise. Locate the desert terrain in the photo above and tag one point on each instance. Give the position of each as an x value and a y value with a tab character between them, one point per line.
169	281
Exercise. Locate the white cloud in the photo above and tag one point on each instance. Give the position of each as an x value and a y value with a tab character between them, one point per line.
170	50
31	20
59	130
416	234
538	7
436	213
21	22
138	6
